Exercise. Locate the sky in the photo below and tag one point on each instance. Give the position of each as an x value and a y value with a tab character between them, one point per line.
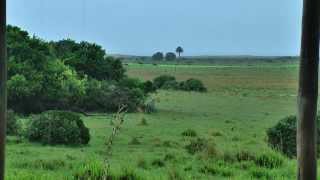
142	27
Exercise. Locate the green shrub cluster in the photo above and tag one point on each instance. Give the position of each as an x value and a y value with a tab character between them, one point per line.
13	125
58	127
170	82
67	75
283	136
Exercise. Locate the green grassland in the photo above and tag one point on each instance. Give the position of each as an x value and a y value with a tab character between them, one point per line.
241	103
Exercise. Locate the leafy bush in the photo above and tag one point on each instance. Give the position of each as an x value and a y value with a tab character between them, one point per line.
106	96
173	85
67	75
170	82
158	56
161	80
170	56
283	135
148	87
13	126
58	127
193	85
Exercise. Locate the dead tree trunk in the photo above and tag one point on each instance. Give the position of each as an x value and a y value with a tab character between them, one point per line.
308	92
3	79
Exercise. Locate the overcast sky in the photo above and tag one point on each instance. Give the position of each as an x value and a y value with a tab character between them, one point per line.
141	27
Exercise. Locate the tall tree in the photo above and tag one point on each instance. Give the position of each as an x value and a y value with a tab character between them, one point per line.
308	92
3	79
158	56
170	56
179	50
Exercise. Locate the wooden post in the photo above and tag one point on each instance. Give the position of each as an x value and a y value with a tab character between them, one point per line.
3	79
308	92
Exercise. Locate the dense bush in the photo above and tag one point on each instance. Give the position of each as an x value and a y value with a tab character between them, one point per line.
106	96
192	85
158	56
13	126
160	81
170	56
67	75
58	127
88	59
283	135
170	82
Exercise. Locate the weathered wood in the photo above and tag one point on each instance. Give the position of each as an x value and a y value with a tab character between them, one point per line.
308	92
3	79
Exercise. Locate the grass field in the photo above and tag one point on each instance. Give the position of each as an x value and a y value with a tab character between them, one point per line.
241	103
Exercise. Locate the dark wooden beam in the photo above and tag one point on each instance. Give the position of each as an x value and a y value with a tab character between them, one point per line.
3	89
308	92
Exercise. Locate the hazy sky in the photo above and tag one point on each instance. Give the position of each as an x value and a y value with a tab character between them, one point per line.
141	27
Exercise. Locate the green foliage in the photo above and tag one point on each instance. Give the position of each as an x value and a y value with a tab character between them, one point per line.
58	127
193	85
107	96
170	82
149	87
158	56
269	160
13	125
93	170
170	56
89	59
282	136
172	85
62	75
160	81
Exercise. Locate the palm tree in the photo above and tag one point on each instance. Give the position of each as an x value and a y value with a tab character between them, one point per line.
308	92
3	79
179	50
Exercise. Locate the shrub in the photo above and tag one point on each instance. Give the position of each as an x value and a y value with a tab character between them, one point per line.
282	136
13	126
193	85
189	133
104	96
58	127
173	85
161	80
148	87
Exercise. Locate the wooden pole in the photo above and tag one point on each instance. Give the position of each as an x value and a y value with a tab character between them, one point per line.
308	92
3	79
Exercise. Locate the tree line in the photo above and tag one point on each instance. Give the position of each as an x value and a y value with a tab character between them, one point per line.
169	56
